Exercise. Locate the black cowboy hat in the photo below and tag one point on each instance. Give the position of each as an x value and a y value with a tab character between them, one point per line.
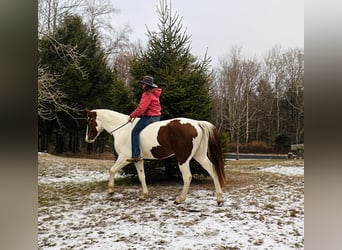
148	80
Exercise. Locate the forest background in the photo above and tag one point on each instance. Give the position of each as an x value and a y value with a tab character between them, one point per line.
83	62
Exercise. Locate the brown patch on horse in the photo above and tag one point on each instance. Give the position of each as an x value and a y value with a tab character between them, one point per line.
175	138
91	122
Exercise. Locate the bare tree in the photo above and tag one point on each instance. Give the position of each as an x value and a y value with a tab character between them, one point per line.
219	100
51	100
261	101
250	78
265	99
51	12
293	61
274	72
284	70
118	47
97	14
235	88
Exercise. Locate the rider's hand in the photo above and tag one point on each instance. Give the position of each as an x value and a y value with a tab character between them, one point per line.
130	119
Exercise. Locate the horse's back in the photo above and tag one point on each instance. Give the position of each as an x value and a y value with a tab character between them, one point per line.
153	129
178	136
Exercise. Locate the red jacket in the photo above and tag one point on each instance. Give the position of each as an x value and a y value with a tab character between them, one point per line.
149	104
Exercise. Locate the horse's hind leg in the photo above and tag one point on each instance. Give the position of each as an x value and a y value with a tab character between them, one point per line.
185	170
208	166
141	173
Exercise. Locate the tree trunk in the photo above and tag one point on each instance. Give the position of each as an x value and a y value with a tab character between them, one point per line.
238	146
247	121
59	143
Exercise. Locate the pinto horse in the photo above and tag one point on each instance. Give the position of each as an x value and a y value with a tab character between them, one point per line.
184	138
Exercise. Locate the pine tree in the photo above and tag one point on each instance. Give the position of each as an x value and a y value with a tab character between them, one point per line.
73	55
185	80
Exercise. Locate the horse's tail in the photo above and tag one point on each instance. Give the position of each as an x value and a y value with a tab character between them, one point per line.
214	150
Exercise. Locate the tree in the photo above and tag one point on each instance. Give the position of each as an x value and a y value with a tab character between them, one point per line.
284	70
51	100
168	59
235	87
274	73
75	67
84	75
185	80
264	122
294	90
76	61
96	12
51	12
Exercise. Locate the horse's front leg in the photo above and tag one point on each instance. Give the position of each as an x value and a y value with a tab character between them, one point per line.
118	165
141	173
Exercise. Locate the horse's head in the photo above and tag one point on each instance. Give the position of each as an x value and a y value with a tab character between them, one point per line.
94	127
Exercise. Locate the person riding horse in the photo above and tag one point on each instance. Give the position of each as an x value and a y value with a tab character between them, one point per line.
149	109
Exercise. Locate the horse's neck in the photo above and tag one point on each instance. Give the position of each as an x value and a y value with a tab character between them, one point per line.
111	119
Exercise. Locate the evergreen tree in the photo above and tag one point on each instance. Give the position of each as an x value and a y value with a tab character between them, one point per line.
185	80
73	55
122	100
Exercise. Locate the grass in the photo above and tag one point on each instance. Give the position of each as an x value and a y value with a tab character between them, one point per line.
245	172
241	173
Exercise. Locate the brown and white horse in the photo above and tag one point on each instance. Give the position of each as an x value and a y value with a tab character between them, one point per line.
184	138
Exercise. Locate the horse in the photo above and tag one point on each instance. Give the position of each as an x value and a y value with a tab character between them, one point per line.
183	138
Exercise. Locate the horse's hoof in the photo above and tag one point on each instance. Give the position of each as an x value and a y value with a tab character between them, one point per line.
143	197
178	201
220	203
109	196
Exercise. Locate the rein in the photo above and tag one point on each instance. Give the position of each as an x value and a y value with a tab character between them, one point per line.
121	126
118	128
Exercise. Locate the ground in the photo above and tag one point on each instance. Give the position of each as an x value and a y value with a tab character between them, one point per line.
263	209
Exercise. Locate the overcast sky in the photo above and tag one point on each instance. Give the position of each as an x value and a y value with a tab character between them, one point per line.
219	25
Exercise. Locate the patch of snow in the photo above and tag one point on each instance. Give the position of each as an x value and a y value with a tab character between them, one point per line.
197	224
74	176
290	170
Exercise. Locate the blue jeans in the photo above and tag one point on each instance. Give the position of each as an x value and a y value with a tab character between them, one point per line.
135	139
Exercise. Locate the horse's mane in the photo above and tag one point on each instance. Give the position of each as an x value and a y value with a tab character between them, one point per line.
108	116
109	112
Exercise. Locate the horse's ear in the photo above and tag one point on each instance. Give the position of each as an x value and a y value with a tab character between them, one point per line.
87	111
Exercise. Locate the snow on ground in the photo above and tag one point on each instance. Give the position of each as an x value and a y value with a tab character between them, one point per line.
256	216
74	176
284	170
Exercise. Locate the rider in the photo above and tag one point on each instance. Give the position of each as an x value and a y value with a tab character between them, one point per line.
149	110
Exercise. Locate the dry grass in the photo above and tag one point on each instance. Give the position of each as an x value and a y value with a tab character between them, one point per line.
239	174
245	172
